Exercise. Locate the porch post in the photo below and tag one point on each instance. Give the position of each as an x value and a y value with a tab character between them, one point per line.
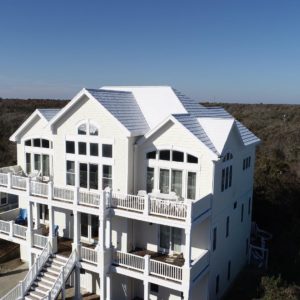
29	232
52	237
108	287
187	250
76	240
108	231
146	290
77	283
37	216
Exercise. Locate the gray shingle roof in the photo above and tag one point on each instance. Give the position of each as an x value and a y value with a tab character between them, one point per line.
48	113
123	106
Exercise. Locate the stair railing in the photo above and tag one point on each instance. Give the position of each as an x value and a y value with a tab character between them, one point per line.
20	290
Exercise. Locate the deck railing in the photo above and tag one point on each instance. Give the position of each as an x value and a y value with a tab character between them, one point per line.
168	208
128	202
3	179
165	270
39	188
18	182
20	231
89	198
64	194
129	260
39	240
89	255
5	226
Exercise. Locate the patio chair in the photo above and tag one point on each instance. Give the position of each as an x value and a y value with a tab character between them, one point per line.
22	217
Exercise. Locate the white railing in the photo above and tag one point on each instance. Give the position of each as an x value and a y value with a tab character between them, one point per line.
21	289
199	265
4	226
89	198
64	194
3	179
89	255
168	208
129	260
63	276
128	202
39	188
20	231
39	240
165	270
18	182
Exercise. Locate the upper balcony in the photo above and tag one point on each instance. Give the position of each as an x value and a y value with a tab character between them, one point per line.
150	207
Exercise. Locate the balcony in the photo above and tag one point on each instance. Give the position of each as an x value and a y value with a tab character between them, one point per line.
149	205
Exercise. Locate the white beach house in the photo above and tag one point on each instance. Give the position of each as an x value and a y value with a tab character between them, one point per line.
130	193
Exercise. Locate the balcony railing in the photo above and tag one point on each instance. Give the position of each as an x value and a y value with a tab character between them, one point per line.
39	240
188	210
20	231
147	265
89	255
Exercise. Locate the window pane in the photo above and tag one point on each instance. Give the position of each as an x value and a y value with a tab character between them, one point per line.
176	239
82	129
46	170
94	177
164	181
191	188
83	175
150	179
93	130
177	156
70	172
37	143
37	162
70	166
94	149
82	148
192	159
28	163
107	176
106	150
70	147
45	143
28	143
164	237
84	224
151	155
95	227
176	182
164	154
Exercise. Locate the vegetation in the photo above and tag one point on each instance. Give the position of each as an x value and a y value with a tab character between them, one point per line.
276	205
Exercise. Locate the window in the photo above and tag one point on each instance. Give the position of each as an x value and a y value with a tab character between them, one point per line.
164	181
242	213
94	149
235	205
82	129
82	148
83	175
151	155
217	283
36	143
70	147
246	163
70	172
170	238
154	288
28	143
106	150
45	143
228	270
46	165
191	186
164	154
226	178
177	156
3	199
37	162
28	163
192	159
106	176
214	238
227	226
249	206
93	130
95	226
176	182
150	179
93	176
84	224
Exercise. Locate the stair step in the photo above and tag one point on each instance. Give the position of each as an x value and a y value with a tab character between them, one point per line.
42	289
37	294
44	284
48	275
47	280
61	258
30	297
52	272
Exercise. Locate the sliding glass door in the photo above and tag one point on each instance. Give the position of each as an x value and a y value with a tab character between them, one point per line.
170	239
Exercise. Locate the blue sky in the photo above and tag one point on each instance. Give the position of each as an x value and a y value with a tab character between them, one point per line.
235	51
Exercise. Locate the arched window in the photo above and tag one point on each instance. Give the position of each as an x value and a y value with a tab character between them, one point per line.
82	129
93	130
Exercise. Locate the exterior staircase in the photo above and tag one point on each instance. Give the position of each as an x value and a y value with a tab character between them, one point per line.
47	277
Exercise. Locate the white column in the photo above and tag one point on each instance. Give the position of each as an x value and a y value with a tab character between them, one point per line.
147	205
108	231
29	225
37	216
77	283
52	237
108	287
76	235
187	250
102	285
146	290
9	179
